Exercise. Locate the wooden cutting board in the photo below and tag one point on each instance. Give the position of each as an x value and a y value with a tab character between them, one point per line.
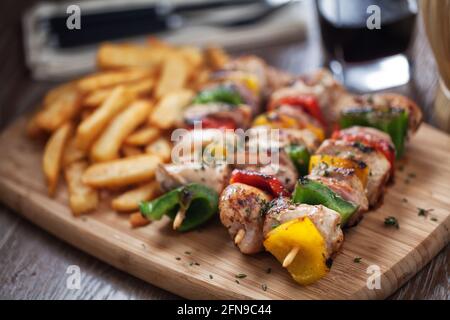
208	261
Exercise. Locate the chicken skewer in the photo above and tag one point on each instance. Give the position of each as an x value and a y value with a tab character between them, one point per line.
345	176
355	166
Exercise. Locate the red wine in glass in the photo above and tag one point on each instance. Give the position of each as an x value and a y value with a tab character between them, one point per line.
366	40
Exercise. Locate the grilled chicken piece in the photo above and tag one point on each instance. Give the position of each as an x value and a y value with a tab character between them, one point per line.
288	137
172	176
327	221
190	146
242	207
379	166
300	137
253	65
269	78
240	115
321	85
278	79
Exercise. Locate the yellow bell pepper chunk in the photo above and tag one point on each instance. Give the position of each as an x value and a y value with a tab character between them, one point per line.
281	121
251	82
361	172
309	265
248	80
320	134
275	122
216	151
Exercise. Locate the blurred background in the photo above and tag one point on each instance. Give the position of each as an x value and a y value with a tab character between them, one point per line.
297	35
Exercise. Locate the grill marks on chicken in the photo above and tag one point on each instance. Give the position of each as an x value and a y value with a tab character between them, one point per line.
379	166
242	207
172	176
321	85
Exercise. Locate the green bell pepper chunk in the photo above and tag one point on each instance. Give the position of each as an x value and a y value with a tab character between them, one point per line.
199	201
393	121
222	94
314	193
299	155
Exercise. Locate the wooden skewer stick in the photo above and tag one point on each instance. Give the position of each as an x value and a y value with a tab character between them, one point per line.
290	257
239	236
179	218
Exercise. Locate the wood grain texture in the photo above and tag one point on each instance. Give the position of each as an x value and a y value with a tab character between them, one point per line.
150	253
26	249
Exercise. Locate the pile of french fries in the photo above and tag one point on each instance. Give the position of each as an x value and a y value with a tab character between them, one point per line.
109	130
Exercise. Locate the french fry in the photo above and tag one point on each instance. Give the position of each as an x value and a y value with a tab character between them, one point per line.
216	58
138	88
108	144
82	198
193	55
121	172
129	201
143	136
168	111
174	74
72	153
51	163
61	110
107	79
161	148
199	79
113	56
58	92
90	128
137	220
130	151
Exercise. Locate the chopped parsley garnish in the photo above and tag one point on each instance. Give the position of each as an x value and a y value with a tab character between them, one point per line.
241	275
357	260
423	212
391	221
269	270
264	287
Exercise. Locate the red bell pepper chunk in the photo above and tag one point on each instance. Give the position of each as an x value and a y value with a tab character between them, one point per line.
259	180
378	144
307	103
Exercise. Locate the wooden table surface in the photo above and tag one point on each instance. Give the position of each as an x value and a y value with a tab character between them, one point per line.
33	264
